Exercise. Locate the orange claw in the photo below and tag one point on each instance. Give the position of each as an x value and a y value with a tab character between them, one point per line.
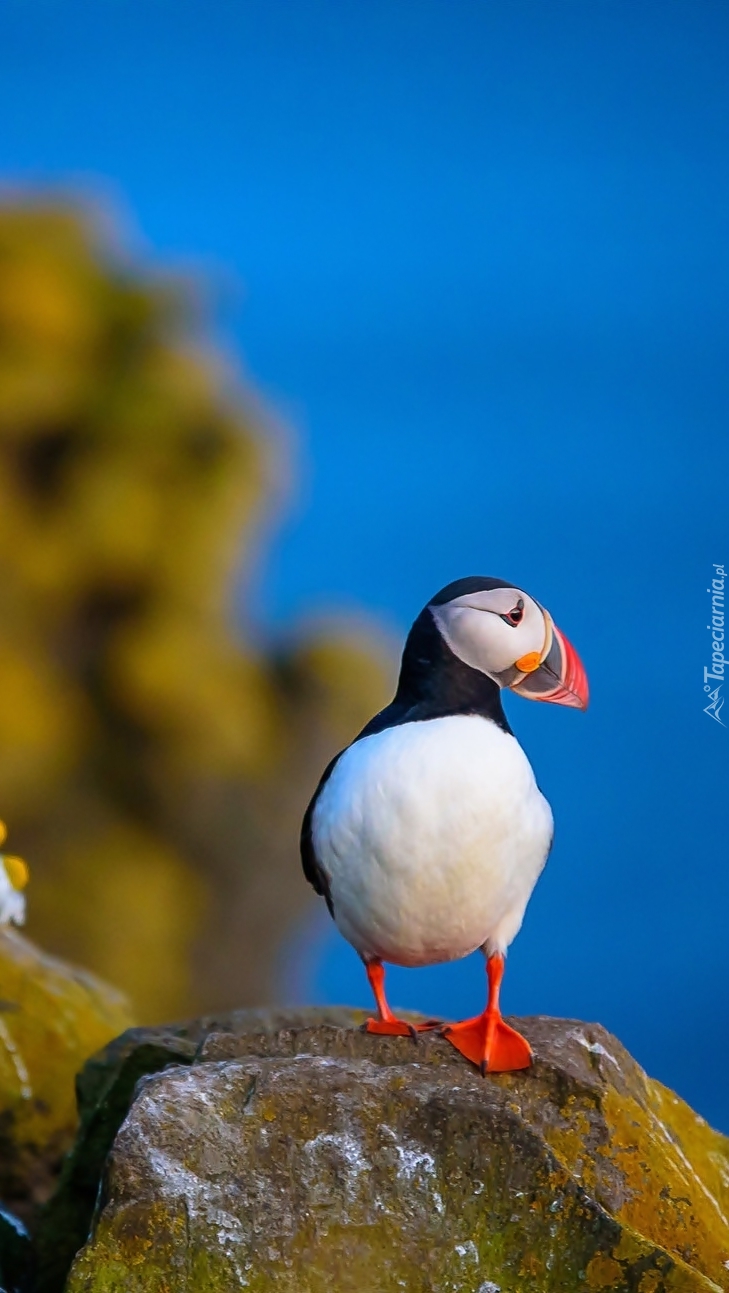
487	1041
387	1024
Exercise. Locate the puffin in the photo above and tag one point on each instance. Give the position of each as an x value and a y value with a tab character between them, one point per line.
427	834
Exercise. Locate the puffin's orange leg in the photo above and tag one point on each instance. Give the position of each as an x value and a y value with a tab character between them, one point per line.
486	1040
387	1023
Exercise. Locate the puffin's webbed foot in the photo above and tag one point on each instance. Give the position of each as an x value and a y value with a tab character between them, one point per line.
487	1041
394	1027
387	1024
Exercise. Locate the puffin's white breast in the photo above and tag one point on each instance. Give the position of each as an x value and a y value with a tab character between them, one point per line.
432	835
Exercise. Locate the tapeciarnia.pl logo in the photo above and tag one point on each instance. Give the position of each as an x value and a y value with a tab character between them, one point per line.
716	673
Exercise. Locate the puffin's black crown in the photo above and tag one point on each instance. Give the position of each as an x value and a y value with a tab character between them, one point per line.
470	584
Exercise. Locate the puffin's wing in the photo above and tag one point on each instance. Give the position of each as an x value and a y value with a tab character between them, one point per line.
314	873
313	870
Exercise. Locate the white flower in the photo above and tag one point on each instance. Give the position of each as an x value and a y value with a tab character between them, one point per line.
13	879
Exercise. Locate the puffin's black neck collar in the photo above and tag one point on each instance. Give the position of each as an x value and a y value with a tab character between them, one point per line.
434	683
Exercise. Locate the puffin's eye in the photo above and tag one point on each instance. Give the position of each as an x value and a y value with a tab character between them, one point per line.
516	616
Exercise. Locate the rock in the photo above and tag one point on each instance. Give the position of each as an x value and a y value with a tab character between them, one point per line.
290	1152
16	1257
52	1017
105	1089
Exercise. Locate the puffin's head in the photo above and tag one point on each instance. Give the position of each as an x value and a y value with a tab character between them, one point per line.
501	631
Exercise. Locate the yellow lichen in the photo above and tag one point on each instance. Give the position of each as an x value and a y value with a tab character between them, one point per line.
604	1272
568	1142
662	1153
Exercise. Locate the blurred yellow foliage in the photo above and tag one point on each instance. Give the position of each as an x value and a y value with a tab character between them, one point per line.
153	763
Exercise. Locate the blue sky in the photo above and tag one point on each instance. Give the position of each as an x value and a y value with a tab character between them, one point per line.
484	264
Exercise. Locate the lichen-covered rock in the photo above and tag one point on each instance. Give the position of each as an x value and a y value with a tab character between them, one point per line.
52	1017
105	1089
314	1158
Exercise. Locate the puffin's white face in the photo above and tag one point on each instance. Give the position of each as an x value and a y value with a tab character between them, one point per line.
504	633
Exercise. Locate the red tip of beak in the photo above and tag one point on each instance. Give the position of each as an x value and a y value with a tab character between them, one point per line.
574	690
560	679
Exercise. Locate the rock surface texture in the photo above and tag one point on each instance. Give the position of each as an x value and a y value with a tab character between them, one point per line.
52	1017
291	1152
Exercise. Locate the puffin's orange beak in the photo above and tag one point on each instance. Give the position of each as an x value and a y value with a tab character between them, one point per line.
559	677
